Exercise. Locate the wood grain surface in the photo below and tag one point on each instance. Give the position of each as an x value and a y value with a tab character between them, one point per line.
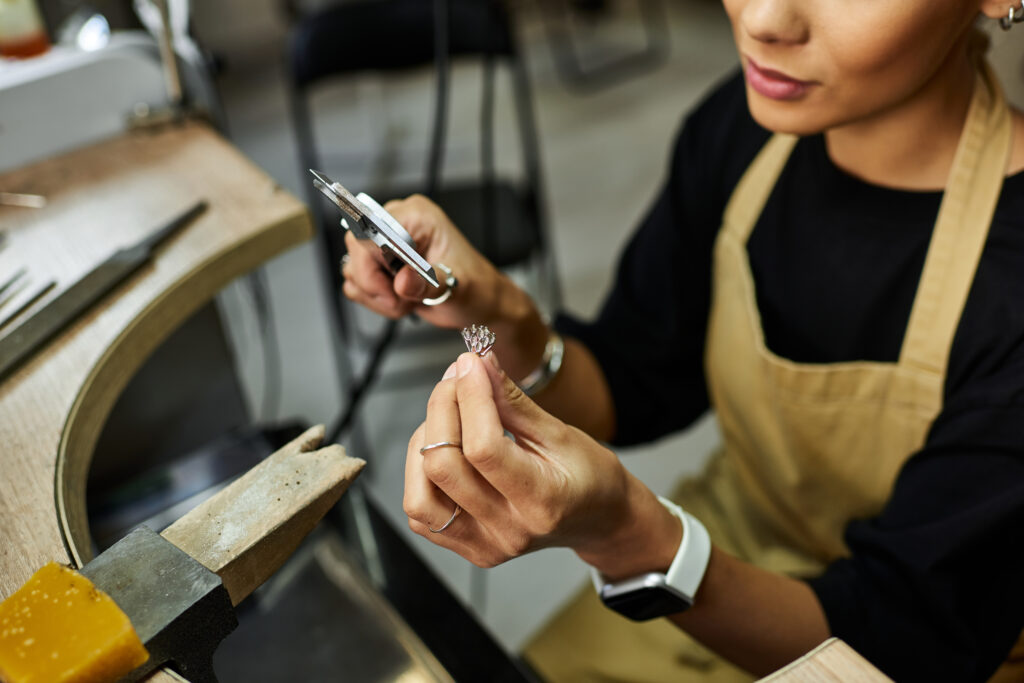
101	198
831	662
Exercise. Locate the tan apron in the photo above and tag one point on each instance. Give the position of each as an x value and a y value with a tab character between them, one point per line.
806	448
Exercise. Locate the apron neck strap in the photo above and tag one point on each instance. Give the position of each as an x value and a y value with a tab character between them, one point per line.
756	185
968	204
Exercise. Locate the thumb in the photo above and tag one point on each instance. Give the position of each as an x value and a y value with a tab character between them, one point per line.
518	412
409	285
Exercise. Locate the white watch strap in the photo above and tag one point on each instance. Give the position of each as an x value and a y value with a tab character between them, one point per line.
691	560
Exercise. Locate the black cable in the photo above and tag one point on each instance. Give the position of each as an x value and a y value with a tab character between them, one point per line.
441	75
269	344
358	393
488	206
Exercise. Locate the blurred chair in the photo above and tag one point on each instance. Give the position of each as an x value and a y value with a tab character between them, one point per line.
613	66
504	219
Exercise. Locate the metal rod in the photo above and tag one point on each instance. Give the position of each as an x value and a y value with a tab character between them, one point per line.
166	39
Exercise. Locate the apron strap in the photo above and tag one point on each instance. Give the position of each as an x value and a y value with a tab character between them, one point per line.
756	185
972	192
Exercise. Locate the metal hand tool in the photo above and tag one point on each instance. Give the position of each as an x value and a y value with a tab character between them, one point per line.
371	222
179	588
179	608
9	282
35	295
30	335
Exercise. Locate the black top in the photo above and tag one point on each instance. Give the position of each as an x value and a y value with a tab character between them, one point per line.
934	589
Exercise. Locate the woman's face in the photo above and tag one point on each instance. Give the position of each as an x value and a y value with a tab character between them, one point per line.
811	65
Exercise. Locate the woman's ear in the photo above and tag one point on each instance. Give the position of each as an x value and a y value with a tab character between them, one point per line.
997	9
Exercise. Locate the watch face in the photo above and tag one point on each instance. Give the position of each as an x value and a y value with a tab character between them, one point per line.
643	598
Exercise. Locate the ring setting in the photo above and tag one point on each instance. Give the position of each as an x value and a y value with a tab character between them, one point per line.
479	339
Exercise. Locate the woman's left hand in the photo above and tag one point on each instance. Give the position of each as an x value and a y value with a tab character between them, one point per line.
551	486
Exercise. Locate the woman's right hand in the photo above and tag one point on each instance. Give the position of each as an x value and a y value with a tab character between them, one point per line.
476	299
552	485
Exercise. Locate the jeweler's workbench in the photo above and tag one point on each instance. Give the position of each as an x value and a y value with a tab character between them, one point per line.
99	199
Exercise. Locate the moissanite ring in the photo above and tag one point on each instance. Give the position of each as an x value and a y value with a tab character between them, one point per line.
478	339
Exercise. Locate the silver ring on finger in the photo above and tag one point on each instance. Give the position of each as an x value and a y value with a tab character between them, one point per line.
440	444
450	282
455	513
345	258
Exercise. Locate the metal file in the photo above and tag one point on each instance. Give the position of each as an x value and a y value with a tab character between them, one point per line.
22	341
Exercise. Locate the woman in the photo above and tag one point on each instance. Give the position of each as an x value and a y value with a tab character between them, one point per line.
836	266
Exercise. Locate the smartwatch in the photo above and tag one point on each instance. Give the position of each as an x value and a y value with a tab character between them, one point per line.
653	595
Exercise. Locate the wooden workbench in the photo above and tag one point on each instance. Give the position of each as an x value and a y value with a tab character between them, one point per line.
100	198
831	662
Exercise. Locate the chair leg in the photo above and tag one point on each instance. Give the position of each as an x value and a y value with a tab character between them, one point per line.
530	141
442	75
488	207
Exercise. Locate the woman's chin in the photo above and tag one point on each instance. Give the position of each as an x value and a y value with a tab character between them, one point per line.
796	117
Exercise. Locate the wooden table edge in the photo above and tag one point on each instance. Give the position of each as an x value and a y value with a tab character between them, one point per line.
136	342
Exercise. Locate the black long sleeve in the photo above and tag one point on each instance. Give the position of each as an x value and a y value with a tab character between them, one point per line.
649	335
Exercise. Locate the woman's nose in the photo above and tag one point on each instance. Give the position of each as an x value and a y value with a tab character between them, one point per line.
775	21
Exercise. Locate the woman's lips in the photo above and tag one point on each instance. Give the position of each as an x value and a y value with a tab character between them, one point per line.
773	84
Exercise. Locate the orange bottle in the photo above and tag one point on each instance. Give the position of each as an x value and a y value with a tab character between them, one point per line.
21	29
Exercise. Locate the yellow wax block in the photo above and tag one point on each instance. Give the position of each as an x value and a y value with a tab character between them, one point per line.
59	628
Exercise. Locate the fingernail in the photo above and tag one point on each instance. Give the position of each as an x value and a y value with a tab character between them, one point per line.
450	372
465	364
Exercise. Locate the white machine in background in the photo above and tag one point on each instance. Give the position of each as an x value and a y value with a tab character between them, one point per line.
70	96
188	392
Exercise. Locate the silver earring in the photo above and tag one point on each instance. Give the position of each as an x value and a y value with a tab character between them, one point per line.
1012	18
